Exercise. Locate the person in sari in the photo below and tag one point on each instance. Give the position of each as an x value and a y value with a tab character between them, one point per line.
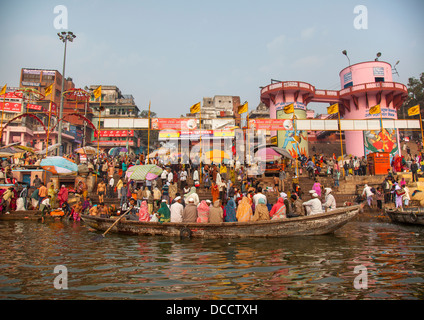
62	195
143	213
203	212
215	192
173	189
230	211
317	188
164	213
278	210
86	205
261	211
244	210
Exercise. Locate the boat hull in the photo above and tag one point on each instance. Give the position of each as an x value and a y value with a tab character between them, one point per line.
302	226
413	216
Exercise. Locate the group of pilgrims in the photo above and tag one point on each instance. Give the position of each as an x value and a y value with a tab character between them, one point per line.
252	206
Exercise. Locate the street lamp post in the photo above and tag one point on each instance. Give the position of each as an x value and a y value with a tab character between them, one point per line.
64	36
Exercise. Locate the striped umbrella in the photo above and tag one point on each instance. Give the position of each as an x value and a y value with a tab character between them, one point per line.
143	172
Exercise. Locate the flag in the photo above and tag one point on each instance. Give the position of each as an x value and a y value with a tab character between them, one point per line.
413	111
333	109
3	90
195	108
243	108
375	109
98	92
289	108
48	90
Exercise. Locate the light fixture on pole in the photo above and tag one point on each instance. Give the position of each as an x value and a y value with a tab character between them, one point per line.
345	53
378	56
64	37
394	71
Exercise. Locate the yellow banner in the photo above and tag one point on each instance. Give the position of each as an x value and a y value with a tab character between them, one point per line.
98	92
333	109
413	111
48	90
289	108
3	90
375	109
195	108
244	108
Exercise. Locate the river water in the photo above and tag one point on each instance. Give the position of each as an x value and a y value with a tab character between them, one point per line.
362	260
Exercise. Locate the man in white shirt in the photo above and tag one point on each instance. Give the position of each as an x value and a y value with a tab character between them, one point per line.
163	176
183	178
313	206
177	210
368	193
170	176
258	196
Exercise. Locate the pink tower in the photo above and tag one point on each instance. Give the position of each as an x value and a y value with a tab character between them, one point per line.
365	85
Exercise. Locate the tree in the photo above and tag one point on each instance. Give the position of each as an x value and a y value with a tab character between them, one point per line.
415	96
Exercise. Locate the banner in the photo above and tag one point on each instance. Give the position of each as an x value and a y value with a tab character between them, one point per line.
174	124
35	107
10	107
116	133
268	124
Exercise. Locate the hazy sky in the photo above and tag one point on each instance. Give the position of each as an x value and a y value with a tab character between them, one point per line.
174	53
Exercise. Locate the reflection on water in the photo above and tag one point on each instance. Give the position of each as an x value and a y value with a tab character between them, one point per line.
129	267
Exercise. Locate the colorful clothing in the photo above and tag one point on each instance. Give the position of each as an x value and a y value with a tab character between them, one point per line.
244	210
203	212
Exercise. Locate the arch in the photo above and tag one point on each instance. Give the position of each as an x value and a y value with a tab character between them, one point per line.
90	124
25	115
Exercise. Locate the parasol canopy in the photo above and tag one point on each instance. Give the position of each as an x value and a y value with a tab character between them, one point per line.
86	150
143	172
159	152
58	165
216	156
117	151
268	154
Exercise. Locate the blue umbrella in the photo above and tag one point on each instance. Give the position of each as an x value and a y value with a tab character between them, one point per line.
58	165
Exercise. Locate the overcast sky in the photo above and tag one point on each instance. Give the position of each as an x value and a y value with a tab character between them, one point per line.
174	53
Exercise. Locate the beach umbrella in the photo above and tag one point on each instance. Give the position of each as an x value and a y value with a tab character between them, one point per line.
58	165
216	156
86	150
143	172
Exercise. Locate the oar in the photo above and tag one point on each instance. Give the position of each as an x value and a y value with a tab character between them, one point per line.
113	224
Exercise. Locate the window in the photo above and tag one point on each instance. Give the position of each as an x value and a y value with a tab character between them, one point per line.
379	79
347	85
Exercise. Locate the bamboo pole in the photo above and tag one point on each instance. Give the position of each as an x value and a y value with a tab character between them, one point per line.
148	137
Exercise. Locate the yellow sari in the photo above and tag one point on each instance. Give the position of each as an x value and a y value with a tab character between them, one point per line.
244	211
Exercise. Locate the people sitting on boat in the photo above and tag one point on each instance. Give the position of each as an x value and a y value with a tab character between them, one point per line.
203	212
143	212
261	211
230	211
177	210
133	214
244	210
164	212
298	209
216	214
192	194
313	206
190	211
330	201
278	210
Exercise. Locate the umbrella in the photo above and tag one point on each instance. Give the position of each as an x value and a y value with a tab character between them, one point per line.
159	152
143	172
58	165
216	156
268	154
28	149
8	152
49	149
283	152
86	150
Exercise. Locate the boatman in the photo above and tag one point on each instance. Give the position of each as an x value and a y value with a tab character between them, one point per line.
330	201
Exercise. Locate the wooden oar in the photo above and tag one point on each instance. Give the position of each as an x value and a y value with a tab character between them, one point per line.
113	224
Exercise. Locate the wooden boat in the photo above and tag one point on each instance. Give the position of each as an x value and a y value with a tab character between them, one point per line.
28	215
411	215
301	226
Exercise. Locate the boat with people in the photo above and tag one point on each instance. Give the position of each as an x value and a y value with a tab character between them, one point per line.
409	215
317	224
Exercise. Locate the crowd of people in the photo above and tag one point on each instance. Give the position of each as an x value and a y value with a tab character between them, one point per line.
173	196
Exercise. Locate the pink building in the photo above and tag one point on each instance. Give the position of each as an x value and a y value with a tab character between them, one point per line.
364	85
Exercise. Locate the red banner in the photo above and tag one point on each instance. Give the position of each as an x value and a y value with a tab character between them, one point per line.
11	107
174	124
34	107
268	124
116	133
